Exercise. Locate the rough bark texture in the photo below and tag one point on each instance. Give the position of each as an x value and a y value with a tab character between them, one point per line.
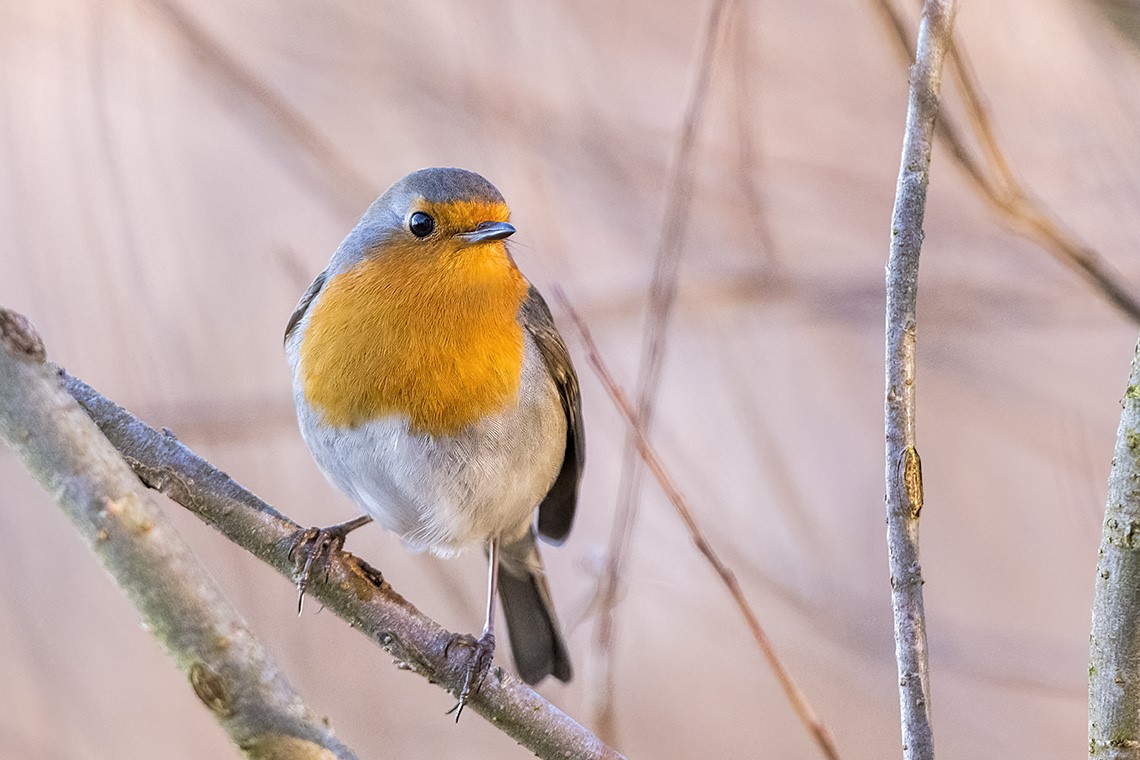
1114	646
352	589
179	603
903	466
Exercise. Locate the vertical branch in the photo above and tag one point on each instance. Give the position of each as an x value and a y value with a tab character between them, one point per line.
662	294
998	185
903	467
1114	646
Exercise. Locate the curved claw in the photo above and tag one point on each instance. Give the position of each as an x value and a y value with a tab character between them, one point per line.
478	666
317	545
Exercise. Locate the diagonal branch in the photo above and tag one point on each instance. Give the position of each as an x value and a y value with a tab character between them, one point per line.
351	588
648	454
338	179
177	599
1114	646
903	466
999	186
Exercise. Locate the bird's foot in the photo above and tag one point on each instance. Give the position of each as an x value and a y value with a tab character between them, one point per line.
482	652
312	547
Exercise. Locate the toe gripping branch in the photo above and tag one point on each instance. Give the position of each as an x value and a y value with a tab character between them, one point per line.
479	657
313	547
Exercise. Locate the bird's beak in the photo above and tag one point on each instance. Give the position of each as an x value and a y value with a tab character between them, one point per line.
487	231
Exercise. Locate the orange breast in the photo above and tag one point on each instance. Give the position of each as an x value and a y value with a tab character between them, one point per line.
433	338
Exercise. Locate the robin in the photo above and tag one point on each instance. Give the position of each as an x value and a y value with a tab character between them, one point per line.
433	388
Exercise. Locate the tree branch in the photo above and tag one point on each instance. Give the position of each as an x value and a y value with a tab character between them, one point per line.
903	467
662	297
648	454
999	186
351	589
179	602
1114	646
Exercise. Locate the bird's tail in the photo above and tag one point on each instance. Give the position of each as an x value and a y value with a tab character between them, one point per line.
536	638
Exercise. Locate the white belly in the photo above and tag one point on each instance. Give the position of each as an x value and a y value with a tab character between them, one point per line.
444	493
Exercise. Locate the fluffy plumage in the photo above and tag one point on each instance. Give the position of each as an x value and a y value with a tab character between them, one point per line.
432	387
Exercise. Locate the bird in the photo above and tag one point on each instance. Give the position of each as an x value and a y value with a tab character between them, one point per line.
432	387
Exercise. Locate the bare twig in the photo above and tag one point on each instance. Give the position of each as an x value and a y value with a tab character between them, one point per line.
662	294
999	186
351	588
177	599
649	455
903	467
751	169
339	180
1114	646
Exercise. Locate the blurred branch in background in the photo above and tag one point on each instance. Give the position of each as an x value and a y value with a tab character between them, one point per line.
1124	15
229	670
336	177
997	184
751	168
903	466
177	599
662	295
1114	644
649	455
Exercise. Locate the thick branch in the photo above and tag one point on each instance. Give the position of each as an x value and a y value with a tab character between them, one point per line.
177	599
1114	646
352	589
903	468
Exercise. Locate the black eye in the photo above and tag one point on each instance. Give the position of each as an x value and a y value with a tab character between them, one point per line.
421	224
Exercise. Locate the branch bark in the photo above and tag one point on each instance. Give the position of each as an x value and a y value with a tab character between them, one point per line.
1114	646
179	602
903	466
351	589
997	184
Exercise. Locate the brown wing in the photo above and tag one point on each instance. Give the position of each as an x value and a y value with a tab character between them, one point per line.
556	513
304	303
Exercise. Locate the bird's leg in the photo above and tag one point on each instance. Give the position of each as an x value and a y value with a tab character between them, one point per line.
483	649
314	545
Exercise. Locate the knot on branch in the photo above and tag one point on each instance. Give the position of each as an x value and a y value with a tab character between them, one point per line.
19	337
1122	533
211	689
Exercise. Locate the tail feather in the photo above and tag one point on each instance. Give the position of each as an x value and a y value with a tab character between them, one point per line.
536	638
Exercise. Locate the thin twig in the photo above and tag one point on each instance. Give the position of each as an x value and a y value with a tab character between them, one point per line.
653	461
751	169
999	186
903	466
662	295
1114	646
338	178
179	602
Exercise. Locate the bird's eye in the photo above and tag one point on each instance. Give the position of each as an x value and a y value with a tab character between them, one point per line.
421	224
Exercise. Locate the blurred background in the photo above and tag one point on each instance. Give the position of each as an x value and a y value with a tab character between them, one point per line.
173	173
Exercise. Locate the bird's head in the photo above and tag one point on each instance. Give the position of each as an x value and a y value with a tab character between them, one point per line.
434	214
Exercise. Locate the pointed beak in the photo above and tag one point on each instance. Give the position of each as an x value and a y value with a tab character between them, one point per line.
487	231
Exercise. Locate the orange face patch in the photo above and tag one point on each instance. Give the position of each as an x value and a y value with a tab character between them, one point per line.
422	329
462	216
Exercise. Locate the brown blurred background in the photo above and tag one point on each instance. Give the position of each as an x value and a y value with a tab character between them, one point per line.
174	172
